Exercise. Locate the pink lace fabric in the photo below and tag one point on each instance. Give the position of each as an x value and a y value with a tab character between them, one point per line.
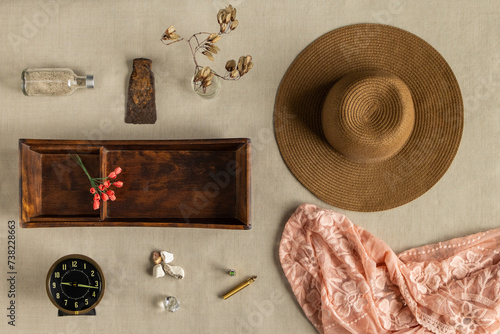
349	281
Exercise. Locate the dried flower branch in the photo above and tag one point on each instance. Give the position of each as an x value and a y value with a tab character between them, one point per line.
100	185
203	75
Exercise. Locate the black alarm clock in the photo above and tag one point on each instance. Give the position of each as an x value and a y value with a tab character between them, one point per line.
75	285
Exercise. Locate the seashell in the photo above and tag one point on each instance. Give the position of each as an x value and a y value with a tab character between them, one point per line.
158	271
156	257
174	271
167	257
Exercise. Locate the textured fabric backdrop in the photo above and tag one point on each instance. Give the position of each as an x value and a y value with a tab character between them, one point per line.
102	38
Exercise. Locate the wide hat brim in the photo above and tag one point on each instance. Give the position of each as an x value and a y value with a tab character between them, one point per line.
424	158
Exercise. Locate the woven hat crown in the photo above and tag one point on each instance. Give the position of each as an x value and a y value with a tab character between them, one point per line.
368	116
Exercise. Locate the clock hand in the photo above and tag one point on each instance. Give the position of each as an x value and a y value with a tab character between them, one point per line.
80	285
88	286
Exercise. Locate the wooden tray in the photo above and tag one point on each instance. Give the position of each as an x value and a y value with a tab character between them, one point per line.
182	183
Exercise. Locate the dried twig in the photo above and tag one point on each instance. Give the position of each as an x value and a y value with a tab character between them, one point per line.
203	76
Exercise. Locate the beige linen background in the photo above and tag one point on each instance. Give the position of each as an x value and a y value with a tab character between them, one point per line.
102	38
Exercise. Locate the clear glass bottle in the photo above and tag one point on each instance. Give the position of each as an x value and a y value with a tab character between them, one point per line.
53	81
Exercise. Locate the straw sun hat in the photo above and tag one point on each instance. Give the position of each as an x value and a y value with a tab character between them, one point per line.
368	117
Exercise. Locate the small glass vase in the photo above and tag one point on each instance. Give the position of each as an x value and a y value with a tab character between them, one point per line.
208	92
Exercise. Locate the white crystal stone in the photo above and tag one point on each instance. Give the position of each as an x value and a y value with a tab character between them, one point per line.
174	271
167	257
171	304
158	271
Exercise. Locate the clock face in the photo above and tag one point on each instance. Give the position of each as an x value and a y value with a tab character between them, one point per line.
75	284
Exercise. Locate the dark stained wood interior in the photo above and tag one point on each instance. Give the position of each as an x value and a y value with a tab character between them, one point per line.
175	184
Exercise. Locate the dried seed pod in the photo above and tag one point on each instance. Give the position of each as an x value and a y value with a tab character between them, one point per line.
233	14
212	36
250	65
220	19
230	65
234	24
170	30
223	28
248	59
206	83
240	64
234	73
216	39
229	9
212	49
215	47
170	34
197	77
210	76
227	19
205	71
208	54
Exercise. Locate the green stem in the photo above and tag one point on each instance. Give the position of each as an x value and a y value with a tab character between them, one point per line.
79	161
